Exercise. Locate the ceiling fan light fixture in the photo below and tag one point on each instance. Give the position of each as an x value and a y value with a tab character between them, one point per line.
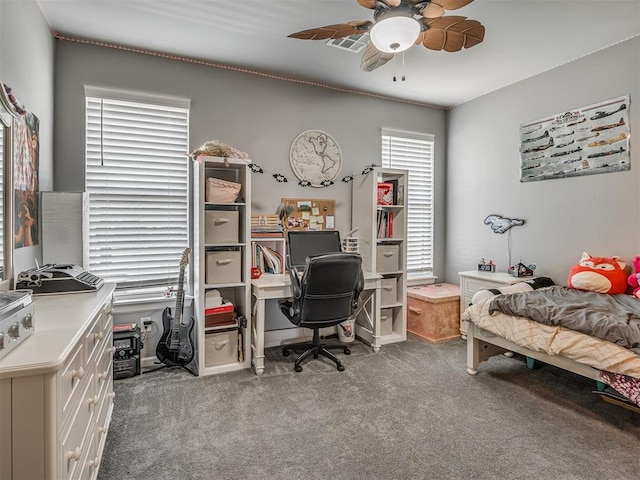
395	34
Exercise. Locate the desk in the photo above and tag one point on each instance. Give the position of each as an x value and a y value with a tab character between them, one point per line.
274	287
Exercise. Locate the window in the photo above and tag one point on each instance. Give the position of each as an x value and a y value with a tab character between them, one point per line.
137	179
414	152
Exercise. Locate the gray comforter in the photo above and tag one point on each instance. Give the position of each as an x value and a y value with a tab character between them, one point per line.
609	317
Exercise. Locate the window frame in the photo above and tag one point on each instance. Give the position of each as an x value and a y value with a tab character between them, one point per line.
425	264
145	153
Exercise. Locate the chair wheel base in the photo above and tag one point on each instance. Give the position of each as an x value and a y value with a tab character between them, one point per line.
286	352
298	368
341	368
347	351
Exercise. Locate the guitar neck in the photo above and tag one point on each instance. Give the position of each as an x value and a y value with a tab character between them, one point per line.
177	317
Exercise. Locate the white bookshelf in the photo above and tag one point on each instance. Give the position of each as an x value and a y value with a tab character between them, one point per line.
383	253
238	292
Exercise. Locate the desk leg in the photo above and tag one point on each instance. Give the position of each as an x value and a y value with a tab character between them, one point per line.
257	340
377	301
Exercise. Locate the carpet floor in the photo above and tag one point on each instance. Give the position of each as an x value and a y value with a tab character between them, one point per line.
408	412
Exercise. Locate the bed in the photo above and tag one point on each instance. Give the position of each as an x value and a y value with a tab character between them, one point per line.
591	334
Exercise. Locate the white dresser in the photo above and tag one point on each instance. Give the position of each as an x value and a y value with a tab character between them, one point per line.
473	281
56	390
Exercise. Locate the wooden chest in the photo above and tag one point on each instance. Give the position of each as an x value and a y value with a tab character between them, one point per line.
434	311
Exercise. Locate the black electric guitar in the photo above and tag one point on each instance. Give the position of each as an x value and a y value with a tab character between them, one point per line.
175	347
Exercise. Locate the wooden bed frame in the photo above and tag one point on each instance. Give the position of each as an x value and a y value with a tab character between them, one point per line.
482	345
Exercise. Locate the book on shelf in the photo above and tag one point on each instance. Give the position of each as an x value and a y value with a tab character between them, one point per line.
384	224
259	235
224	308
267	259
385	193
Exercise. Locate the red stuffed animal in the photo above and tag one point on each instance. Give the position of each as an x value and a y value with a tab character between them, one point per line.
634	278
599	274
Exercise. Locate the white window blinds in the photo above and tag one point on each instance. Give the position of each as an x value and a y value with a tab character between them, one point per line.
137	181
414	152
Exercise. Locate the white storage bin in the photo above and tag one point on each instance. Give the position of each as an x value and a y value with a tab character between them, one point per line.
221	191
389	289
388	258
224	266
221	226
220	348
386	321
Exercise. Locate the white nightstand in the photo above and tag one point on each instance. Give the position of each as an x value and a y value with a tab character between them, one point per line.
472	281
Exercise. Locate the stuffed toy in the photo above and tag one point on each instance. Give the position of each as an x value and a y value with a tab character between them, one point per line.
634	278
524	286
599	274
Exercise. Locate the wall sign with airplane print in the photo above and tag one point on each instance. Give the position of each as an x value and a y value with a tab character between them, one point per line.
586	141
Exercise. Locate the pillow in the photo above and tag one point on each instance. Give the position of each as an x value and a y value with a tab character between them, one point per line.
525	286
599	274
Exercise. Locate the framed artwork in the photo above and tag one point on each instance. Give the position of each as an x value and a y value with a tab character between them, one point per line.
586	141
25	179
315	158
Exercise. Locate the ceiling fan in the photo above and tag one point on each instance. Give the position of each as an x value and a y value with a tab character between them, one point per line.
399	24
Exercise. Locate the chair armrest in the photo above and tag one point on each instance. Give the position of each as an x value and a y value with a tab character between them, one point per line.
296	288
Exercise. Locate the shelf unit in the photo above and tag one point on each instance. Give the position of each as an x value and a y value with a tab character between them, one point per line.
214	345
382	252
277	244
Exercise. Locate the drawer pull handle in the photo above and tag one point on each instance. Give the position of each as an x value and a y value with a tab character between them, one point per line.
77	373
93	400
112	395
111	350
102	430
222	220
93	463
98	336
417	311
224	261
387	254
74	454
102	376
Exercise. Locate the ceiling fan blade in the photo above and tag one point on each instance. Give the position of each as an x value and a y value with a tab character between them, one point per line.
374	58
432	10
452	34
338	30
368	4
452	4
372	4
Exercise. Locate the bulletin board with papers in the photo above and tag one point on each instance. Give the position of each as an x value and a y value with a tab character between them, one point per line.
308	214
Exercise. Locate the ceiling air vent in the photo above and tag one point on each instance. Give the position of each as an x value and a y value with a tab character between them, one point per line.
354	43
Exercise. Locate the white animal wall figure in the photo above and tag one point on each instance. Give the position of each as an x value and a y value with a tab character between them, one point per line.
500	224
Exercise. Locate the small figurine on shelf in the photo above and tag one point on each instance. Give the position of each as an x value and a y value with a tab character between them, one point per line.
522	270
486	266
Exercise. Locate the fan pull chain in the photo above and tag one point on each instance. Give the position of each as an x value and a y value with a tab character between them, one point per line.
403	77
394	68
395	78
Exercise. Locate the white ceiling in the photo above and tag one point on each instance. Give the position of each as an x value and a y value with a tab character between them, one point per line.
523	38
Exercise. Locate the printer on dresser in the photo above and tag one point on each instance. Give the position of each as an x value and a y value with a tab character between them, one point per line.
56	390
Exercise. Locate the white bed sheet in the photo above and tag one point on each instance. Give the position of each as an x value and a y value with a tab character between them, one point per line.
599	354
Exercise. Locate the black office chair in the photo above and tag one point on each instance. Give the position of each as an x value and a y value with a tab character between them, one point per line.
326	295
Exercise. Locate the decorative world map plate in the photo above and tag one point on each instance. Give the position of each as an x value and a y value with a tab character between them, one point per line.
315	157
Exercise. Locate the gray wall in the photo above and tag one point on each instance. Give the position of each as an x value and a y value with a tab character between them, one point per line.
599	214
252	113
26	65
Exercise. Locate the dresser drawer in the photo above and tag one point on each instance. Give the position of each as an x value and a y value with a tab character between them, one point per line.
93	339
76	442
473	286
103	417
72	379
107	318
104	364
